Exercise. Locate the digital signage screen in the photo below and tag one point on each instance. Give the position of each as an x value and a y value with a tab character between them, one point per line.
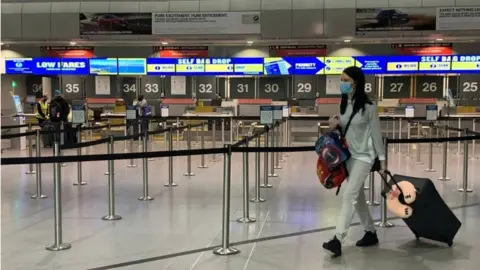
132	66
248	66
336	65
402	64
19	66
309	66
161	66
435	64
190	66
371	64
56	66
104	66
466	63
219	66
278	65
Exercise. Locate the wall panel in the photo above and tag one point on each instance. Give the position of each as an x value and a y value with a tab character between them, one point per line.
64	25
276	23
339	23
36	26
307	23
11	26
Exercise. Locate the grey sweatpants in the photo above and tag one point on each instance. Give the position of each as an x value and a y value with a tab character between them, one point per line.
354	198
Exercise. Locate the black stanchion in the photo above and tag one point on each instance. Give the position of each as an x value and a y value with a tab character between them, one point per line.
111	185
38	147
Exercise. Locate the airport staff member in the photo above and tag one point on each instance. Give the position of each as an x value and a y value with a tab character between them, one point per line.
143	111
42	110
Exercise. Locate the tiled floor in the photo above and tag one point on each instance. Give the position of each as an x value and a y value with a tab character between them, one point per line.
188	217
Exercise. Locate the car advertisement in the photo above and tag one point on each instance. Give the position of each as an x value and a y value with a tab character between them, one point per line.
395	19
115	24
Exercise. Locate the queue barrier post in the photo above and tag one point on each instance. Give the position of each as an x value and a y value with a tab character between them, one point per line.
246	207
189	157
277	144
58	244
371	193
282	141
62	139
465	188
108	149
131	163
226	249
285	136
444	159
430	150
258	198
80	181
30	151
145	196
393	133
400	147
383	223
170	160
111	184
202	146
223	131
265	164
38	167
474	155
214	140
418	160
409	126
459	133
272	155
125	133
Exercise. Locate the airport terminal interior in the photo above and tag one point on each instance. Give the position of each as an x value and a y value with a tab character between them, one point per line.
190	133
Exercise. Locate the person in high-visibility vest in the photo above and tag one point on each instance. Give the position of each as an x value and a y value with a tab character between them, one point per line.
42	110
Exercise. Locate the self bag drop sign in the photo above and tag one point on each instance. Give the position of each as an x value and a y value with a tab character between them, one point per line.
52	66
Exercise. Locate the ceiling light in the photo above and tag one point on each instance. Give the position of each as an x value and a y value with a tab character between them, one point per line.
1	43
439	39
73	43
164	43
249	42
347	40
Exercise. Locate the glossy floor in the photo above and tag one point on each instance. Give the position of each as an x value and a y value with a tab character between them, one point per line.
299	214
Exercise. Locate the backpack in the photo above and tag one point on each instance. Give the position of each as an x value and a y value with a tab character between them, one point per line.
147	111
54	110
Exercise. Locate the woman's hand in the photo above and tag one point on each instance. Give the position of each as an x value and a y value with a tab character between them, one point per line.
383	167
333	122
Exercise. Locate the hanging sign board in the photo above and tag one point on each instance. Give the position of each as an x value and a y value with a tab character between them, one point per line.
266	115
432	112
131	112
277	112
286	111
164	110
409	111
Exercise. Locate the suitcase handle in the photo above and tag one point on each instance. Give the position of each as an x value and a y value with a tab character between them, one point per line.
388	184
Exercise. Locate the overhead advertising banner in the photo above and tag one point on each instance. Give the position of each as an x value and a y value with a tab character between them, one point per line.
434	64
458	18
391	19
19	66
68	51
180	51
132	66
205	23
104	66
298	50
115	24
402	64
424	48
47	66
309	66
371	64
466	63
336	65
278	65
248	66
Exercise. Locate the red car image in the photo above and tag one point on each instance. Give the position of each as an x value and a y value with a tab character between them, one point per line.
110	21
115	23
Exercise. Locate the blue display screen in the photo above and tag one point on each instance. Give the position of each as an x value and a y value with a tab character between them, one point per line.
55	66
104	66
371	64
309	66
218	66
161	66
19	66
278	65
248	66
132	66
402	64
190	66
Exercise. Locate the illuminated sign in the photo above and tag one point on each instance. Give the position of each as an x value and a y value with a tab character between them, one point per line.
278	65
371	64
103	66
19	66
218	66
309	66
466	63
435	63
132	66
248	66
161	66
402	64
186	66
336	65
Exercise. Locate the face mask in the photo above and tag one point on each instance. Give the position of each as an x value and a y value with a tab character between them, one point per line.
345	88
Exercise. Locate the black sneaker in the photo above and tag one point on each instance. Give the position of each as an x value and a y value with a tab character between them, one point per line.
333	246
369	239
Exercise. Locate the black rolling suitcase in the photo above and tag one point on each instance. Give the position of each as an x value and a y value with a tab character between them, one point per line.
431	217
48	138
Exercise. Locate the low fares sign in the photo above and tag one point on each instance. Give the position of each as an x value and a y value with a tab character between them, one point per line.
47	66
